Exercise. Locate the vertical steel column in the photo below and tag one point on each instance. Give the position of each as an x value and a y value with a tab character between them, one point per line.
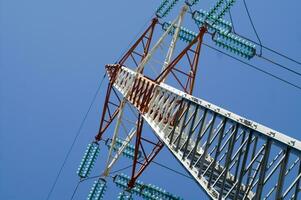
207	144
176	120
263	169
282	174
199	137
297	189
239	156
137	145
190	131
220	138
183	126
297	180
243	166
228	160
252	157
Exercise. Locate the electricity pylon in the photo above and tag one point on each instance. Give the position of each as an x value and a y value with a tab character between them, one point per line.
229	156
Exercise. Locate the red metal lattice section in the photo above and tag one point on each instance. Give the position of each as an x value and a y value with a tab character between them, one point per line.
142	90
112	101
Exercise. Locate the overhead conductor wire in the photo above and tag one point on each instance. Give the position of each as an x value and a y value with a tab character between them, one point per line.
250	65
261	46
52	188
253	26
82	123
125	168
255	67
75	138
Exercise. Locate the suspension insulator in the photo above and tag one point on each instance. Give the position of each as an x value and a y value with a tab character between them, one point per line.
162	6
201	17
191	2
129	150
215	8
222	9
125	196
121	181
88	160
184	34
165	7
153	192
149	192
98	189
235	44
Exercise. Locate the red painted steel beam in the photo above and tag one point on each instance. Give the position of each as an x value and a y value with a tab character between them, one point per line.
192	64
112	71
137	89
149	31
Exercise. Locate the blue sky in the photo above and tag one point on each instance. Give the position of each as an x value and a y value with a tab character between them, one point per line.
52	57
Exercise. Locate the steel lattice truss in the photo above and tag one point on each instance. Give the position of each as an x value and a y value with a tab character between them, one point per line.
229	156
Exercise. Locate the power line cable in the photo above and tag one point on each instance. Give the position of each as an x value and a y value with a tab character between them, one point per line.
280	65
75	190
121	169
265	47
231	21
94	177
75	139
270	49
250	18
141	29
82	123
138	33
255	67
260	44
173	170
124	168
259	41
261	56
280	54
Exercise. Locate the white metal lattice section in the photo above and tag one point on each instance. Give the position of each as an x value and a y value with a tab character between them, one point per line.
229	156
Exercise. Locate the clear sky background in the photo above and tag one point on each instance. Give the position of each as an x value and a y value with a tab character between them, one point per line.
52	57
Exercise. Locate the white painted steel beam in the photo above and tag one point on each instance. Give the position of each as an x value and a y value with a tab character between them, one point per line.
231	157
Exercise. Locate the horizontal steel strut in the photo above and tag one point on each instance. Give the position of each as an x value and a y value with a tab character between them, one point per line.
231	157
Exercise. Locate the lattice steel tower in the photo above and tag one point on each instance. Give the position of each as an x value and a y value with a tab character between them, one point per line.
229	156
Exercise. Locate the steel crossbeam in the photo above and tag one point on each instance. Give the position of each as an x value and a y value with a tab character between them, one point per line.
230	156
